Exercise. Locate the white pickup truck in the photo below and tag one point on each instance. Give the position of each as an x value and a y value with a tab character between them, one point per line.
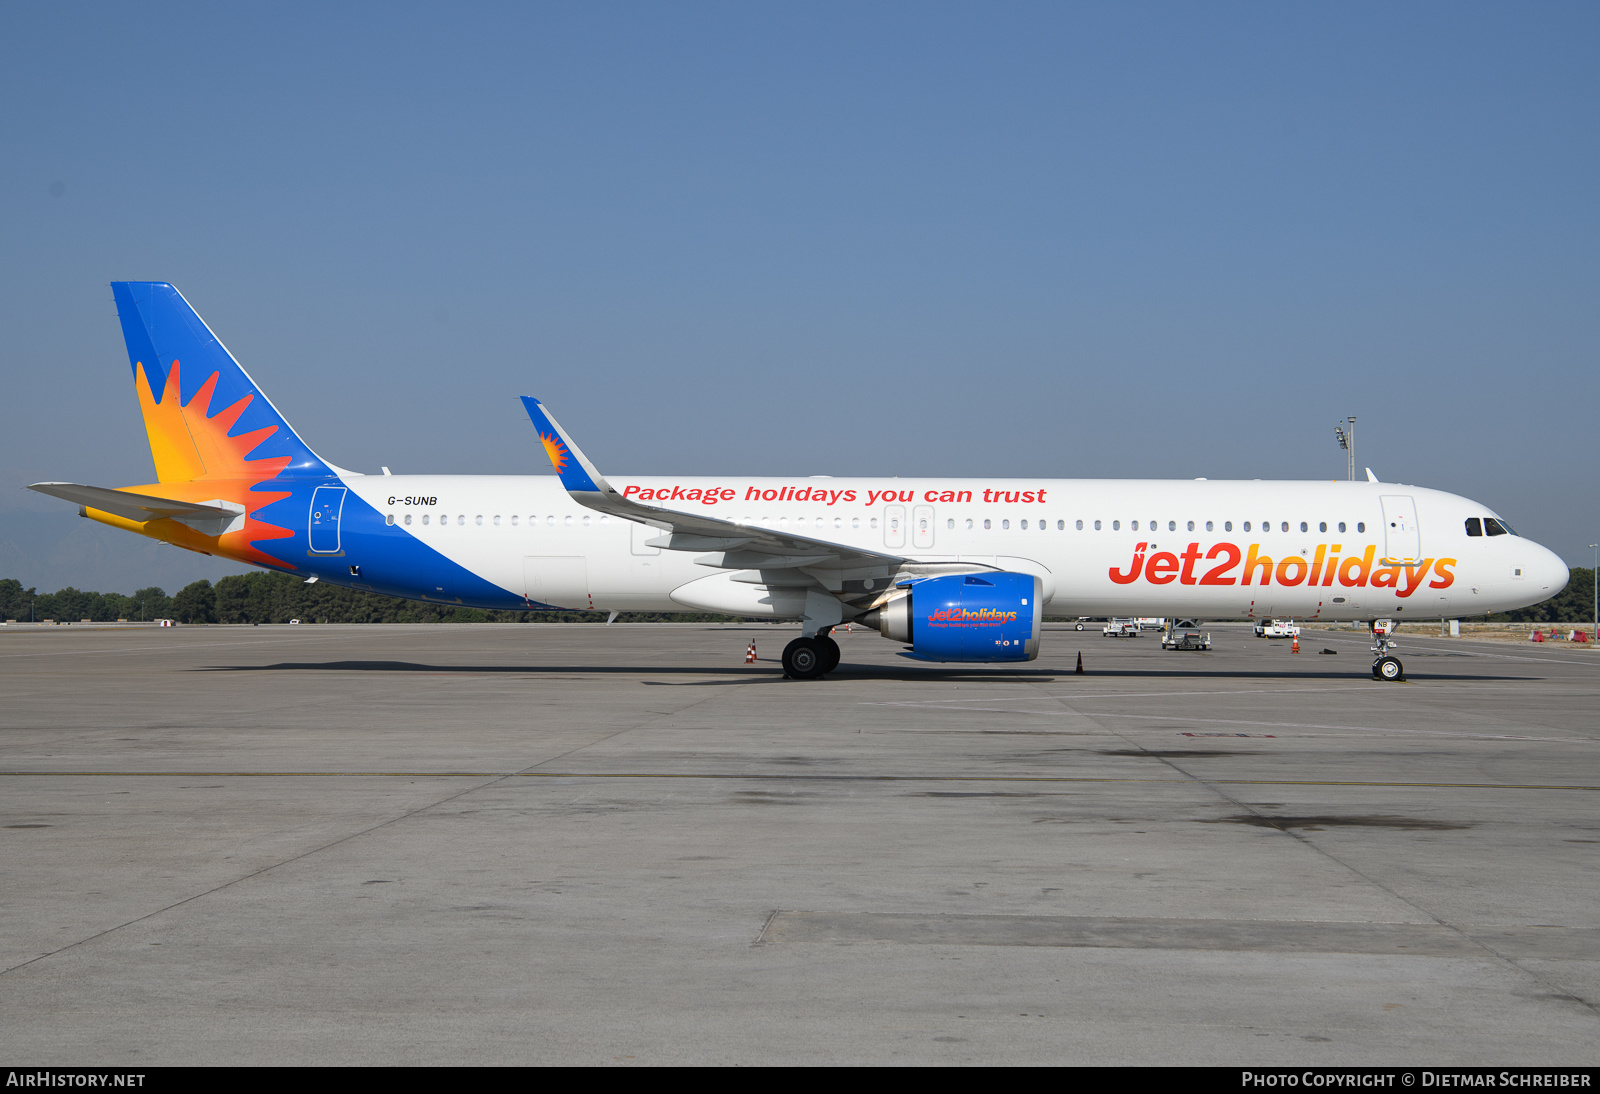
1277	628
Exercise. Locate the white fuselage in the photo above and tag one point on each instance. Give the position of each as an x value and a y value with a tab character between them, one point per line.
1213	550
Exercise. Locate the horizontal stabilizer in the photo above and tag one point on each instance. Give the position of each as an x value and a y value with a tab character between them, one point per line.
141	507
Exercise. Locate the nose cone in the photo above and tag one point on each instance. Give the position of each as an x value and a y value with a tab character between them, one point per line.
1553	573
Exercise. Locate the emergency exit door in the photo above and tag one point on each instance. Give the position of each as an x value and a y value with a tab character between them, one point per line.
1401	539
327	504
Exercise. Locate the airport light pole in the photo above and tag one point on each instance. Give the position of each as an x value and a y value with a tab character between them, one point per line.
1345	433
1596	548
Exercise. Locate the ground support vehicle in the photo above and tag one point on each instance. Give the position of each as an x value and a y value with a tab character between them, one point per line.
1185	634
1122	628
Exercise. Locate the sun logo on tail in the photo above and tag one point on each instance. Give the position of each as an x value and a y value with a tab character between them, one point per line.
555	450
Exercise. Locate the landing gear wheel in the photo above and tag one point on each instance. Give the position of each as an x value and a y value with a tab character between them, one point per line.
830	654
1388	668
803	659
1080	626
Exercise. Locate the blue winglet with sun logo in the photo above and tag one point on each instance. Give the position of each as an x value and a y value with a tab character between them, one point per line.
578	475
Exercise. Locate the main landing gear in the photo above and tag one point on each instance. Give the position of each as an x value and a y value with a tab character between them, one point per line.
1385	666
809	658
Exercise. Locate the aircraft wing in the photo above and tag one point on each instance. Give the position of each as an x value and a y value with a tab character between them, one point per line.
731	545
130	506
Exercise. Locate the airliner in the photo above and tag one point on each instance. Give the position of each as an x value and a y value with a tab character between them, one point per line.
955	570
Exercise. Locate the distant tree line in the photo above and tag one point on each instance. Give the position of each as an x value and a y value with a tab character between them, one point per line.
278	598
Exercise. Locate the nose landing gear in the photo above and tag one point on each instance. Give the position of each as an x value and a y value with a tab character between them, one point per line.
1385	666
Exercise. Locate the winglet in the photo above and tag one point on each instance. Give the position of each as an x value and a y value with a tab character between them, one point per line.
1370	476
578	475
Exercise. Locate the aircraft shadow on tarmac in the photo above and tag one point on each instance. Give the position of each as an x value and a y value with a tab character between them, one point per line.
907	673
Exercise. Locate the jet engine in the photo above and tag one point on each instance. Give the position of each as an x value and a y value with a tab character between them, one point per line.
965	617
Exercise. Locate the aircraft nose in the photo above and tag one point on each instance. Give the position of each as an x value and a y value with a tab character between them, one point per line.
1553	573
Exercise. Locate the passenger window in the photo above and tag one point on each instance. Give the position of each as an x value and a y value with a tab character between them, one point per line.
1208	526
1361	526
1131	524
408	518
1024	526
1303	527
1191	526
1322	526
480	520
969	524
1341	526
513	520
1096	526
424	518
873	522
1227	526
1474	526
1492	526
1246	526
838	522
586	522
568	521
985	526
389	519
1116	525
1286	526
1006	524
855	522
1172	526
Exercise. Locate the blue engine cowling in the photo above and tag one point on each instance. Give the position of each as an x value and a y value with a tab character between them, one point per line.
967	617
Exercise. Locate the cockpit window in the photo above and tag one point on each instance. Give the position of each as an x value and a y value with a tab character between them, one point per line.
1474	526
1494	527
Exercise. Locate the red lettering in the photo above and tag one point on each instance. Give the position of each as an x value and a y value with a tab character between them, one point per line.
1316	564
1414	576
1214	577
753	494
965	495
1162	569
1354	571
1190	557
1299	566
1133	568
629	491
1252	562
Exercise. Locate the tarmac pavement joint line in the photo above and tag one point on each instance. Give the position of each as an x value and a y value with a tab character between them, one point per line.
492	779
761	776
1310	844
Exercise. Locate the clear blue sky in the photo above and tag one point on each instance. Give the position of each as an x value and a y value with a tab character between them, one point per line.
1055	239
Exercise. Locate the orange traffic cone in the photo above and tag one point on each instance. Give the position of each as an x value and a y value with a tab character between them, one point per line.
750	654
1080	663
1294	647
